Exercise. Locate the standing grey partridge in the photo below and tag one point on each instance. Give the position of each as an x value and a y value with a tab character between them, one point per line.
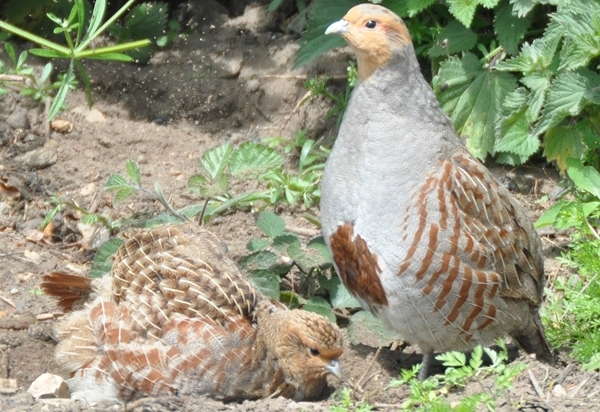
175	316
420	232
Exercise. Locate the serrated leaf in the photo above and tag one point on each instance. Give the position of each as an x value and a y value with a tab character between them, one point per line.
287	243
215	160
339	296
319	305
509	28
115	182
197	181
474	112
414	7
567	96
270	224
563	142
516	137
452	39
252	159
454	77
257	244
585	177
366	329
102	263
261	260
133	171
314	41
523	7
266	282
124	193
536	57
463	10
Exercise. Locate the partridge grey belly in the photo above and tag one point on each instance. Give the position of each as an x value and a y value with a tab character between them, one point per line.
175	316
420	232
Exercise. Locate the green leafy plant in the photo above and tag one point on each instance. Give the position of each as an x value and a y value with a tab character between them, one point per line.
78	43
343	402
571	317
430	394
531	83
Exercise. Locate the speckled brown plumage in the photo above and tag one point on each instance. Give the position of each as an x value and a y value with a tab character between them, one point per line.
420	231
175	316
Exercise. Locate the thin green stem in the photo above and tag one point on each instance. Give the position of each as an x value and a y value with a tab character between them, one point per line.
92	36
112	49
34	38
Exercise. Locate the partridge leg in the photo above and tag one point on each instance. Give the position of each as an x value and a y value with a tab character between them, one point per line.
424	372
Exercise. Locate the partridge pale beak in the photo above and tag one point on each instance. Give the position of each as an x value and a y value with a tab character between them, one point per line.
339	27
334	366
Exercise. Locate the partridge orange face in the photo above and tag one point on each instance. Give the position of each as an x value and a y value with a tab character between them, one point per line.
374	33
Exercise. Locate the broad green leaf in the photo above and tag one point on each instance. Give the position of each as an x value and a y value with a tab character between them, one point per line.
563	142
452	39
319	246
414	7
463	10
516	138
261	260
133	171
257	244
319	305
509	28
476	109
339	296
567	96
215	160
102	263
251	159
537	57
314	41
454	77
288	243
585	177
266	282
366	329
270	224
549	216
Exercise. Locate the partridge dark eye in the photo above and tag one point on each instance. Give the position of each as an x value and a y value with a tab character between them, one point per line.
314	352
371	24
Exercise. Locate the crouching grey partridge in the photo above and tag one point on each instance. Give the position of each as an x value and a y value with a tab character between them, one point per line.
175	316
420	232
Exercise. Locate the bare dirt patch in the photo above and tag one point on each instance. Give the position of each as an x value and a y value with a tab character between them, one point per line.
230	80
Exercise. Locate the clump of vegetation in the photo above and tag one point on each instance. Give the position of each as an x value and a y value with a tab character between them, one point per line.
571	317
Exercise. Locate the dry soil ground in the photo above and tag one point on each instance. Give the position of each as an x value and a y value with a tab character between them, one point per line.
230	80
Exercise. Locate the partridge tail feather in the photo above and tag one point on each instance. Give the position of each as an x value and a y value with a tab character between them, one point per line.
68	289
533	339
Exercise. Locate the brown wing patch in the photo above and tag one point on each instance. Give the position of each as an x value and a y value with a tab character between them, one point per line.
358	267
68	289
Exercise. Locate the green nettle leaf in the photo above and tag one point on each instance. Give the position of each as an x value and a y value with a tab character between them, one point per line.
509	28
463	10
339	296
489	4
315	42
366	329
133	171
567	96
452	39
563	142
414	7
251	159
453	79
215	160
478	106
585	177
580	26
537	57
270	224
102	263
523	7
319	305
267	282
257	244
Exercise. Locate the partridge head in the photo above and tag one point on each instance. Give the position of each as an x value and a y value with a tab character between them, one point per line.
175	316
420	232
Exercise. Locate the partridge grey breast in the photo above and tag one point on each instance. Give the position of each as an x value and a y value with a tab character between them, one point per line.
420	232
176	316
